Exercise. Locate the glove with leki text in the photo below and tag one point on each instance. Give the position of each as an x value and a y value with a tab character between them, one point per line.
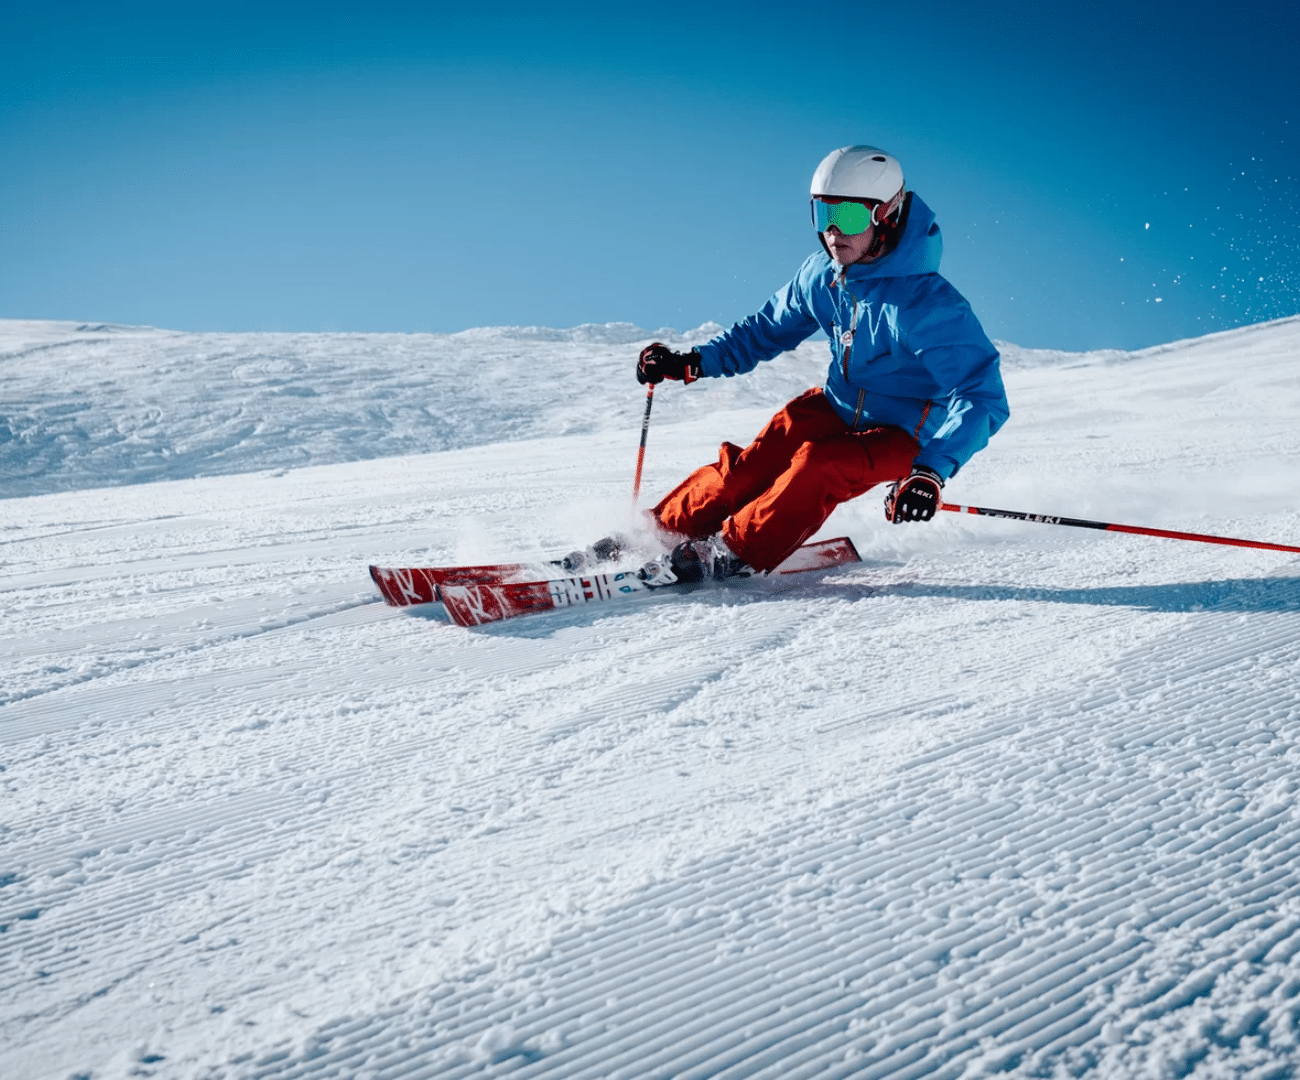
658	362
914	498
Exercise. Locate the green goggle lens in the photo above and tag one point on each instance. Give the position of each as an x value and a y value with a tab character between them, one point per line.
851	218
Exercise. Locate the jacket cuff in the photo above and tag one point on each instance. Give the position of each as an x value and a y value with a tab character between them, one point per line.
941	464
710	360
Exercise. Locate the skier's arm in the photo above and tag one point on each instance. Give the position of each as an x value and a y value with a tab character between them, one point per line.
783	323
965	364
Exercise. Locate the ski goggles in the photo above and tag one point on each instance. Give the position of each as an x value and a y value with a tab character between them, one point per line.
850	217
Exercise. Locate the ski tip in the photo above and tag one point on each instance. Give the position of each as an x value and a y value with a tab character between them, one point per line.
404	587
385	589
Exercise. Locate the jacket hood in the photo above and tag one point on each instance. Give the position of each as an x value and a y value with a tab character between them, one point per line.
918	251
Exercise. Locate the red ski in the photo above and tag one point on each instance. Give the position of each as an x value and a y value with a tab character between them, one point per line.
404	586
473	603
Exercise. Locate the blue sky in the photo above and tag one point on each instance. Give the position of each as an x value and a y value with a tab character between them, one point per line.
1106	174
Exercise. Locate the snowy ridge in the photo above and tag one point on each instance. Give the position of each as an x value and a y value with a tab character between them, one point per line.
621	333
1004	798
97	405
1017	356
92	405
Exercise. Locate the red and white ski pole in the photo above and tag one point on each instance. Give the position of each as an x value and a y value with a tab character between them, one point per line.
1110	526
645	431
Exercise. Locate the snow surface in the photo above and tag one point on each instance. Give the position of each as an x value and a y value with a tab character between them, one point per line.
1006	798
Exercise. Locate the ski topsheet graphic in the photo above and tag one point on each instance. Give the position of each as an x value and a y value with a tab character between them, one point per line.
477	595
473	605
405	586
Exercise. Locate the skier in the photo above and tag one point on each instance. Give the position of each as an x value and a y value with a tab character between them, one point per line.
912	392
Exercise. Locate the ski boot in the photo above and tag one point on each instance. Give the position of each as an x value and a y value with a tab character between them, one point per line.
721	562
694	560
607	550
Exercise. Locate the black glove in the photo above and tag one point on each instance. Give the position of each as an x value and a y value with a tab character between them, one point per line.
915	498
658	362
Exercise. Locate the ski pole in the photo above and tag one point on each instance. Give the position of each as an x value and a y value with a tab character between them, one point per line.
1110	526
645	430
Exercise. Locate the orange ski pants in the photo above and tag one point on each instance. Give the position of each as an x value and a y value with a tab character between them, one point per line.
768	498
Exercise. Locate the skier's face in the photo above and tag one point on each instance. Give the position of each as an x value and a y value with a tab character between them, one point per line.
847	250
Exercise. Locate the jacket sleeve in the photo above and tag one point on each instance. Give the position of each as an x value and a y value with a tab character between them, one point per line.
972	403
783	323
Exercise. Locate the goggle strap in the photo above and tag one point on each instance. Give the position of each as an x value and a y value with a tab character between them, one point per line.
881	211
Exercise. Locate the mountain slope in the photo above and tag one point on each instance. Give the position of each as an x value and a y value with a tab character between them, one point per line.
1003	798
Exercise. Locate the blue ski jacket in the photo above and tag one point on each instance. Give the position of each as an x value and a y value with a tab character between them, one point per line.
906	349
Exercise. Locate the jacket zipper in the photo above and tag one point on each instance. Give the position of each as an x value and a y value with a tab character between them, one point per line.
848	345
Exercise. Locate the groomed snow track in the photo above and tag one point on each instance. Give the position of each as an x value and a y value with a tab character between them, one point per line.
1001	800
1102	882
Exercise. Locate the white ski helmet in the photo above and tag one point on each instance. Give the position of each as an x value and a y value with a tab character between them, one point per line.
861	172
